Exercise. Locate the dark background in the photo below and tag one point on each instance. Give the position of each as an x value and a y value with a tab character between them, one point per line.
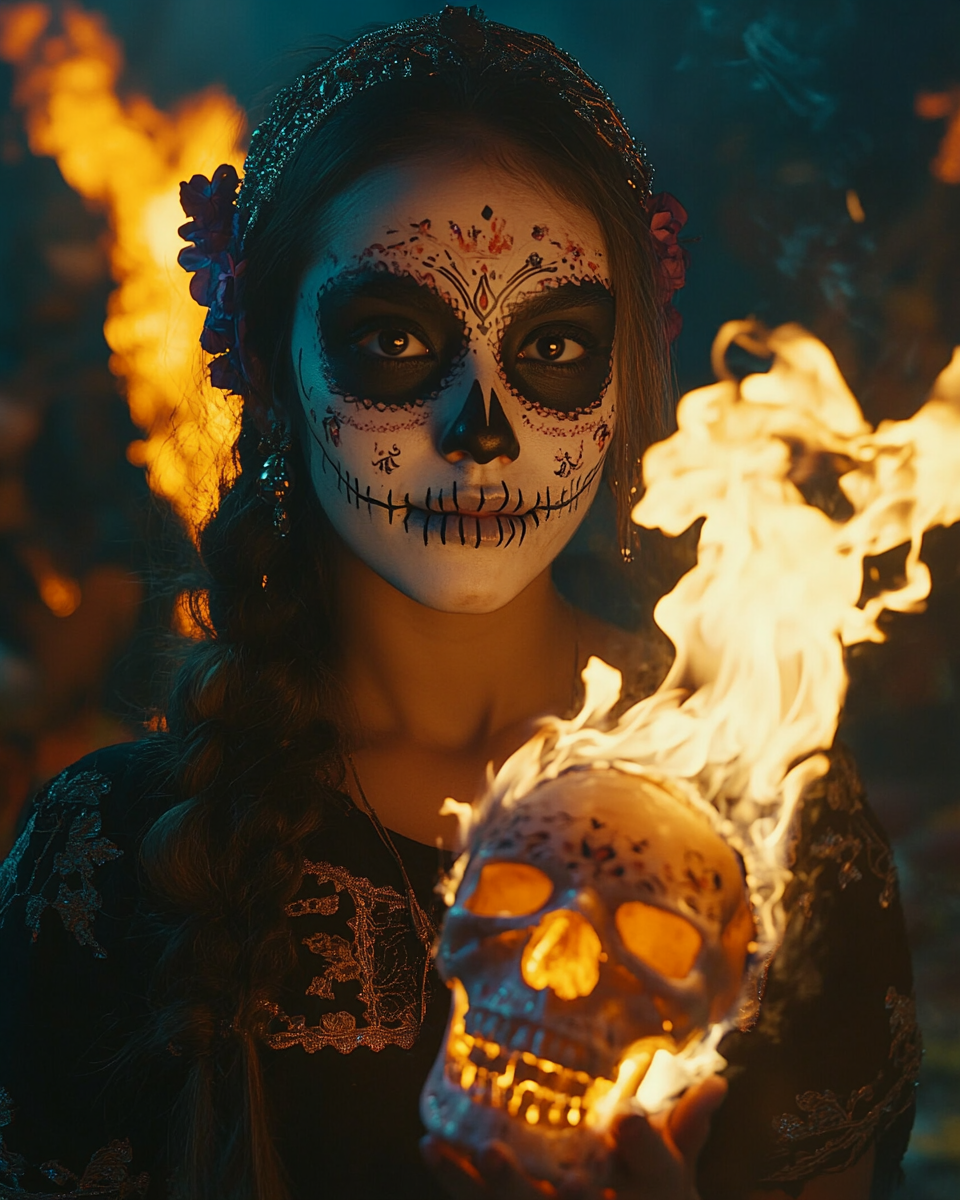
761	117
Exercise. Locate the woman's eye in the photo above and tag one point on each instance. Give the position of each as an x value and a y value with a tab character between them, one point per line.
392	343
553	348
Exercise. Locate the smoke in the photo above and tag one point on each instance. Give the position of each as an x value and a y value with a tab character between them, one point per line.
787	72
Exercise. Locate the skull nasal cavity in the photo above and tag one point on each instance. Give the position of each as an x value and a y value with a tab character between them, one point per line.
563	954
475	436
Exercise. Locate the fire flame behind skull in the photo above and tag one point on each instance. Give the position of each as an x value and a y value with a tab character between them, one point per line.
564	945
601	918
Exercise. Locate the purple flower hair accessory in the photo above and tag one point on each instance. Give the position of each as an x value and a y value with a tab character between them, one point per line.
667	218
217	269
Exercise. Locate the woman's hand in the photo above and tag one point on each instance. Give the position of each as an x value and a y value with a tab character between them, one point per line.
650	1159
656	1159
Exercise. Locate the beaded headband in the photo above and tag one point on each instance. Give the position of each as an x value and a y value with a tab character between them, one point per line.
456	39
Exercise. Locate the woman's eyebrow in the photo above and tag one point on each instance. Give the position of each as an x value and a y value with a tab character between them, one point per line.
381	285
563	298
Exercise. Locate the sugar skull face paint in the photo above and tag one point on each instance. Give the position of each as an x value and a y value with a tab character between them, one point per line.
452	347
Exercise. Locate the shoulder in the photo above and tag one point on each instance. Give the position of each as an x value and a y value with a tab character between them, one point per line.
82	826
828	1067
847	935
843	864
642	657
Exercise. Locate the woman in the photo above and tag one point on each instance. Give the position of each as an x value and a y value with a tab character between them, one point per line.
442	306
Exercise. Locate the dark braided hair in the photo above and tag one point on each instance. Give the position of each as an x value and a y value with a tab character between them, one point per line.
256	721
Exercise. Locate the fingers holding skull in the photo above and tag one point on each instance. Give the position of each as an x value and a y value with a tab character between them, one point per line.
495	1175
656	1158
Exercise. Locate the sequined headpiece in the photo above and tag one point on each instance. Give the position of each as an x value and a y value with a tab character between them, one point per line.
457	39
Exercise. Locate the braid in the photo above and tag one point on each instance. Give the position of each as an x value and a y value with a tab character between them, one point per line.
252	752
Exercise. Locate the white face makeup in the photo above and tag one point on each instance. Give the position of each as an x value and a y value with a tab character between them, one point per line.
452	348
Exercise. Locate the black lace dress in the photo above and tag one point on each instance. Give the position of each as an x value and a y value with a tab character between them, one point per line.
823	1070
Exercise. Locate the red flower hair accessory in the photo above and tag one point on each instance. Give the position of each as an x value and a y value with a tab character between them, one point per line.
217	268
667	218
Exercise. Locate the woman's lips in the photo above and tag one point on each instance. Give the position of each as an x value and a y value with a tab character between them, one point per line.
470	528
474	502
486	514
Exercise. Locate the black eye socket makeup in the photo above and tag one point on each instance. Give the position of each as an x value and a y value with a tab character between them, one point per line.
556	349
387	339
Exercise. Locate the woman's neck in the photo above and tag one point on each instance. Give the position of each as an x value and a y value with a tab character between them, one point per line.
451	682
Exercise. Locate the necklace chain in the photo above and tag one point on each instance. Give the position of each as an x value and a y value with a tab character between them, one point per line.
424	928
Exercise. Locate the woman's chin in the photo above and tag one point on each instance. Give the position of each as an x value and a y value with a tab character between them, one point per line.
456	579
451	574
462	587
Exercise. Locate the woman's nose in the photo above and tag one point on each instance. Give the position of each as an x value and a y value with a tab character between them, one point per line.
480	435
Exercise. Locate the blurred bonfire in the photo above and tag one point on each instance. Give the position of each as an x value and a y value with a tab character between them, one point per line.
128	157
79	537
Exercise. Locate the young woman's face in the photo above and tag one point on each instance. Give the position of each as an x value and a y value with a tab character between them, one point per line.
453	352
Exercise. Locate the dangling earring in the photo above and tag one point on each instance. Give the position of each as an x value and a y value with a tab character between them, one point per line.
276	478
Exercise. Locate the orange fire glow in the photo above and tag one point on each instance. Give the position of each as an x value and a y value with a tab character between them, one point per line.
759	625
944	106
128	157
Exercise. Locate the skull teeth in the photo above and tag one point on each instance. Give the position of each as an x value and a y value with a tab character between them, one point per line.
512	1034
529	1087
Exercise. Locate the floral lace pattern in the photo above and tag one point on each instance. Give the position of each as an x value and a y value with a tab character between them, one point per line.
372	972
842	1128
860	848
107	1174
66	818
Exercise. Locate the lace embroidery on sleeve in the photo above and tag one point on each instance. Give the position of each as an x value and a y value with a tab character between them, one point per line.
373	971
107	1174
845	1127
861	848
64	831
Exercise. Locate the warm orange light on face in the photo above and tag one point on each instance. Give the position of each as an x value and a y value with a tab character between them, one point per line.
659	938
128	157
510	889
563	954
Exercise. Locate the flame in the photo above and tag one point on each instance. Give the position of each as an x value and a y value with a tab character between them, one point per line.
855	208
759	624
60	594
128	157
939	106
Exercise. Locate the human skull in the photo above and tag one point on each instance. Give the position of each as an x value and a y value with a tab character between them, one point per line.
600	913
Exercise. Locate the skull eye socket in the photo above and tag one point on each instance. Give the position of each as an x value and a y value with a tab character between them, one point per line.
659	938
509	889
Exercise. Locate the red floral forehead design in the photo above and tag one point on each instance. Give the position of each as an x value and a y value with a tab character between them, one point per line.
456	38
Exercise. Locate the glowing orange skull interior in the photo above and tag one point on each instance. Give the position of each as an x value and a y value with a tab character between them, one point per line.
599	914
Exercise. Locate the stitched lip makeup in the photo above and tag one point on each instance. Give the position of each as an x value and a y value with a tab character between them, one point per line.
495	510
